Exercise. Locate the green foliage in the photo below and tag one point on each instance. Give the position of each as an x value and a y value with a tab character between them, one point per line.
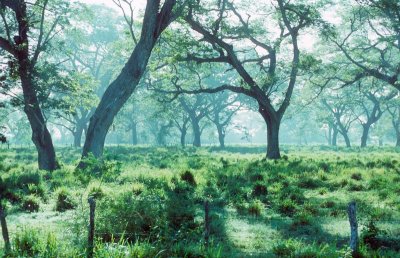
64	200
29	242
30	203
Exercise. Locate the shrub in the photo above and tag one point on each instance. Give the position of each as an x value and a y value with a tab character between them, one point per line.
356	176
27	243
30	204
355	187
301	219
287	207
38	190
259	189
64	200
256	208
142	216
285	249
188	177
180	206
309	183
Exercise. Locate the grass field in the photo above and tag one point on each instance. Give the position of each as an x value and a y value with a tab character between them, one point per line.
150	202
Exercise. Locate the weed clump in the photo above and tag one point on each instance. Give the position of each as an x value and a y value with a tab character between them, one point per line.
30	204
64	200
188	177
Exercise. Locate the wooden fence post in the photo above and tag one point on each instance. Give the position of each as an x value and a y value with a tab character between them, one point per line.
90	247
206	222
4	230
351	211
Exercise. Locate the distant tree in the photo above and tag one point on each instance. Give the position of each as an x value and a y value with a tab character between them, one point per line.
197	108
369	39
245	44
223	106
340	104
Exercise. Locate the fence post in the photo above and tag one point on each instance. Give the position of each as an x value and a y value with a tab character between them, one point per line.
4	229
206	222
351	211
90	247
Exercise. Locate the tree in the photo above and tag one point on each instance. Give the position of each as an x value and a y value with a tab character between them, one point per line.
156	19
24	53
249	49
372	41
342	112
223	107
393	107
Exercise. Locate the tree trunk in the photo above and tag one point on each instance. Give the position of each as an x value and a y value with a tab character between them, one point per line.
196	133
329	138
364	136
183	137
40	134
334	137
273	125
114	98
221	136
78	134
155	21
134	134
398	139
346	139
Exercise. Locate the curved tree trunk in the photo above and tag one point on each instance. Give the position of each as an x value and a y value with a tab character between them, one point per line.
346	139
40	134
155	21
364	136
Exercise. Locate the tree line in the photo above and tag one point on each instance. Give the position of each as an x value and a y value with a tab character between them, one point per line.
187	64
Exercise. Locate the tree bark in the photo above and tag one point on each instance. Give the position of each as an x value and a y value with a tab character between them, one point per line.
398	139
273	125
196	133
221	136
183	137
346	139
334	137
134	134
155	20
78	134
364	136
40	134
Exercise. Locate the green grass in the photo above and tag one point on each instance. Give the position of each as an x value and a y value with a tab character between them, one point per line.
150	202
